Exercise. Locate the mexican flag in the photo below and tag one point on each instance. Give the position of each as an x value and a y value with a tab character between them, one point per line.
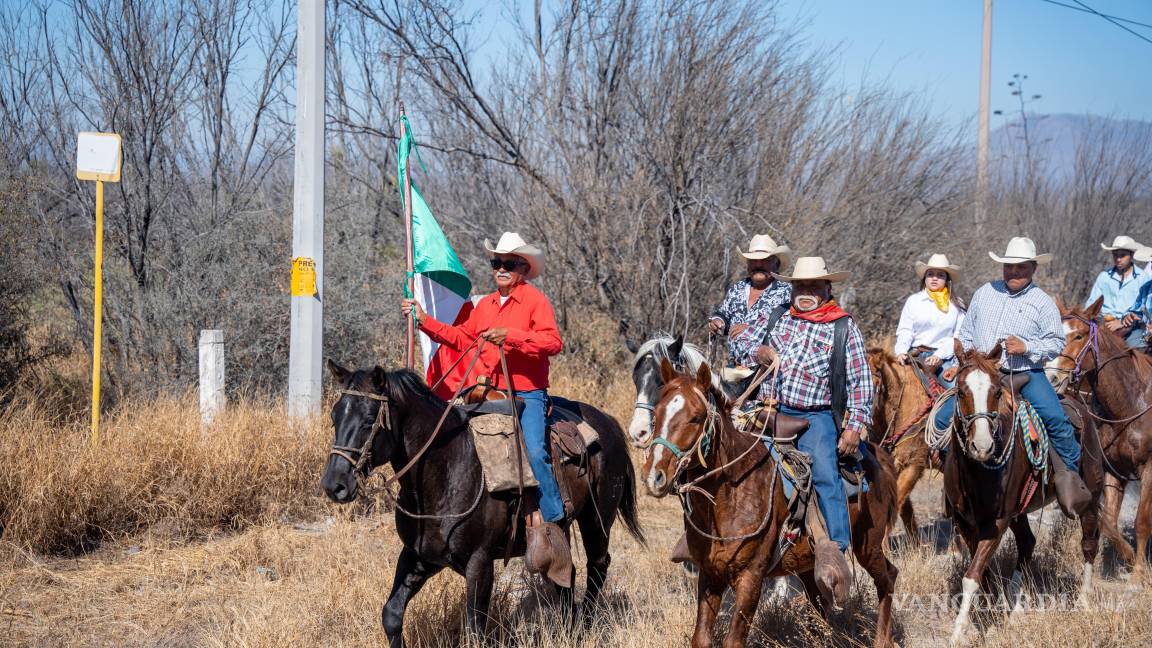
441	284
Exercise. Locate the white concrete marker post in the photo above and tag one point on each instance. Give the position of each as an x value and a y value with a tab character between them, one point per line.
212	398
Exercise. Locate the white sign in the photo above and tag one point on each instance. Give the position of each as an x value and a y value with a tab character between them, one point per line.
98	156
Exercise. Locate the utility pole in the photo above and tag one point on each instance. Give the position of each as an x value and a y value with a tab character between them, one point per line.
305	351
982	143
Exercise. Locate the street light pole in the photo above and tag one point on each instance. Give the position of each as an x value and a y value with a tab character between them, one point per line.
982	143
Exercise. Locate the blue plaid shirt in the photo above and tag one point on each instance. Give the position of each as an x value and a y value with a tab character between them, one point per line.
1030	315
1119	295
805	350
735	310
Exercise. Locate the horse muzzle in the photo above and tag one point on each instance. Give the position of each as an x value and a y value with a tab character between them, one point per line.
339	482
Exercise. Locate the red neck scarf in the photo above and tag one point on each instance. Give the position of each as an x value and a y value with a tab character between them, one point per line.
829	311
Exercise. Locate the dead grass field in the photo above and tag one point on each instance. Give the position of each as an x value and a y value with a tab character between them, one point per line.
167	535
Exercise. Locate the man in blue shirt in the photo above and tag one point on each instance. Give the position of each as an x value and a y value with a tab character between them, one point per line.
1120	286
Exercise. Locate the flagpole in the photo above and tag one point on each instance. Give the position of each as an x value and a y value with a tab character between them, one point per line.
410	340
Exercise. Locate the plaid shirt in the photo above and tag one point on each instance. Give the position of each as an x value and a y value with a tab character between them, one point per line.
735	310
1030	315
805	350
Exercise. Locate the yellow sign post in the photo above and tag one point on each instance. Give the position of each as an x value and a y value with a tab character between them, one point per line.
98	159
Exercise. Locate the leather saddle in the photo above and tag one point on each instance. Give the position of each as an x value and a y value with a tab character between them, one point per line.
1014	382
783	427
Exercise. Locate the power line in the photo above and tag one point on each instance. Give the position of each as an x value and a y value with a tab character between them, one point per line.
1115	20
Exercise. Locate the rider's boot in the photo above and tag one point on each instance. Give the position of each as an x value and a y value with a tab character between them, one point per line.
680	553
548	551
1071	493
832	576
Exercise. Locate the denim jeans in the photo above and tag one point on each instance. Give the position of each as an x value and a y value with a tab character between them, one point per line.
819	441
533	421
1135	338
1043	397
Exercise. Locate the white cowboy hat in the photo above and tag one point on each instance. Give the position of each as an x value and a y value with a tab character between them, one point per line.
812	269
937	262
513	243
1019	250
762	246
1143	254
1122	243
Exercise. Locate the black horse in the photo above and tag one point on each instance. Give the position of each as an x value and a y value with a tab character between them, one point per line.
444	515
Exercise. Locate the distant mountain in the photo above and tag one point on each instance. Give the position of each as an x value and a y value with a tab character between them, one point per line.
1055	140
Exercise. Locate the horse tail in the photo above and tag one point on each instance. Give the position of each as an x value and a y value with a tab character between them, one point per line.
628	504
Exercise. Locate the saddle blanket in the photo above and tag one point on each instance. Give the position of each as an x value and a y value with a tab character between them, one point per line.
494	439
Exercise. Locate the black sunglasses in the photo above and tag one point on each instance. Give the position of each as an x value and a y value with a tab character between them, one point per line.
506	264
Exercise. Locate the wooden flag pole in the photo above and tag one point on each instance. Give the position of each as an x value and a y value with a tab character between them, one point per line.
410	341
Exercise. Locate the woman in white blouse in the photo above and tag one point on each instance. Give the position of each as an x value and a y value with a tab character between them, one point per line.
932	317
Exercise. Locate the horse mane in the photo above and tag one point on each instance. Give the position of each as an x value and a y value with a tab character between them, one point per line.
692	354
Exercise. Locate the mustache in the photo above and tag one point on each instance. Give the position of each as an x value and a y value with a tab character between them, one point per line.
502	274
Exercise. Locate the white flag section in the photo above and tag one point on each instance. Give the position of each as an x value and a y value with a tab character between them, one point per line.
442	304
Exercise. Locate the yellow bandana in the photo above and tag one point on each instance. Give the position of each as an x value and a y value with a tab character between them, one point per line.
940	297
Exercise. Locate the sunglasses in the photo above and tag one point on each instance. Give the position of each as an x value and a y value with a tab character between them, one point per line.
506	264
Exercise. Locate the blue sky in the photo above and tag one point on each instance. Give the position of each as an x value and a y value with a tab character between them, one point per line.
1078	62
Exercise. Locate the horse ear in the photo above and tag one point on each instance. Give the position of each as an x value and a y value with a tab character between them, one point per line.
1060	304
676	346
995	352
958	349
704	376
379	377
339	374
631	346
1094	309
667	371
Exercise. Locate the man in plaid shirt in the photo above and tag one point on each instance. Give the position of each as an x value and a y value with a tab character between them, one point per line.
802	341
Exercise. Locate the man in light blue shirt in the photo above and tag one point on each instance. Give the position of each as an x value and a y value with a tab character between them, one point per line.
1024	320
1120	286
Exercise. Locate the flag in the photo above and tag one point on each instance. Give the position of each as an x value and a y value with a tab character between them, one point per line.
441	284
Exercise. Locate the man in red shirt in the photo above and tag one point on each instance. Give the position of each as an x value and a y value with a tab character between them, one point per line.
520	318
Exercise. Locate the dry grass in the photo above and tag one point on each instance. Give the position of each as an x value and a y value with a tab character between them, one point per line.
170	535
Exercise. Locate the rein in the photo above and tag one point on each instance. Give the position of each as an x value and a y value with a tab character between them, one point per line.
962	432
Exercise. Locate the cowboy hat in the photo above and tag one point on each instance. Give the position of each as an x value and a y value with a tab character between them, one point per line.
513	243
762	246
938	262
1143	254
812	269
1122	243
1019	250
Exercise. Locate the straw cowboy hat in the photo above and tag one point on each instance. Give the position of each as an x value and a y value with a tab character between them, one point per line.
1122	243
938	262
762	246
513	243
1143	254
1019	250
812	269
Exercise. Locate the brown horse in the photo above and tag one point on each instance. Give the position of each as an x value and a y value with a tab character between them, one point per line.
1098	368
738	508
899	408
990	478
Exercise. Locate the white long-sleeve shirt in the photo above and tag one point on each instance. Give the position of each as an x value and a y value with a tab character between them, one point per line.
922	324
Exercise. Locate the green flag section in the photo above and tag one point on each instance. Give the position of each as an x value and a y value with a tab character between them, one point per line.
442	285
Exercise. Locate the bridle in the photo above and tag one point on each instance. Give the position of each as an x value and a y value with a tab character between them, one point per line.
361	457
703	444
1077	371
963	431
677	365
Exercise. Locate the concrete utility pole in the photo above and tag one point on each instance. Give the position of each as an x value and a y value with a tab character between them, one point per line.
982	143
305	352
212	398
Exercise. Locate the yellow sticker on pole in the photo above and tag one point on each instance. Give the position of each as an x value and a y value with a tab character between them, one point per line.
303	277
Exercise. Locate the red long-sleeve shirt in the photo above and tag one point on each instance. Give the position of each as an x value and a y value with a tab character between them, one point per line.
532	337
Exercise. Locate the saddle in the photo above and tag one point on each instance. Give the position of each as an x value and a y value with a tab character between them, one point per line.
925	374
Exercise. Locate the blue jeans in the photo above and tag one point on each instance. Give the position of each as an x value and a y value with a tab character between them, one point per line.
819	441
534	423
1043	397
1135	338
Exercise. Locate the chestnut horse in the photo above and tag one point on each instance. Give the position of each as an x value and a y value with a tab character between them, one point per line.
900	407
989	479
1100	369
738	508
